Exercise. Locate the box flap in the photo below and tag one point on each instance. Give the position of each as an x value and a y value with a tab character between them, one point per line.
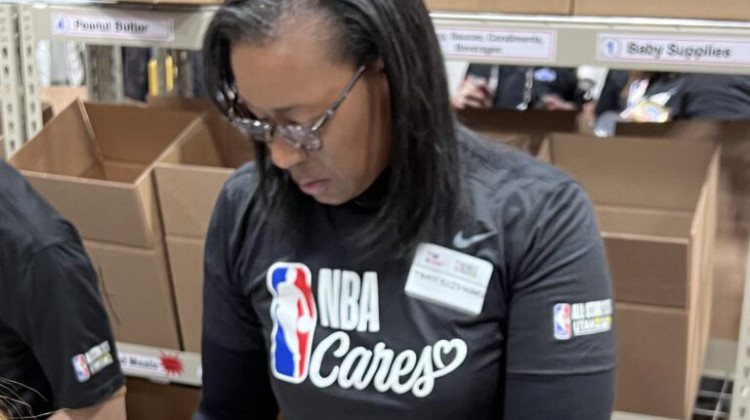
65	147
136	134
233	146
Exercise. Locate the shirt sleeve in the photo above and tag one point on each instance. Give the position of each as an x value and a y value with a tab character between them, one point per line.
561	309
228	316
236	383
66	327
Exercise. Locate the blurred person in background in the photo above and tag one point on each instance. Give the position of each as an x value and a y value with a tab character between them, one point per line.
489	86
660	97
57	353
379	260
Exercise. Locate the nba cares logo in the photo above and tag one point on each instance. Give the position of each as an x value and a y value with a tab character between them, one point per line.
294	319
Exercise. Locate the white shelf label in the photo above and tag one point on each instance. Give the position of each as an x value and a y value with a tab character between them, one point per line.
164	366
112	27
656	49
518	45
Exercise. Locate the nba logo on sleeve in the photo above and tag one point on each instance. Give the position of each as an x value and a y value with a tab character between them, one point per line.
563	327
81	368
294	319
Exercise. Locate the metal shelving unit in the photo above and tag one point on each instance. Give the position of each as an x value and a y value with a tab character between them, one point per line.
620	43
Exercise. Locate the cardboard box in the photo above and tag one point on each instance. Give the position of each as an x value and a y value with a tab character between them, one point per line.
733	234
189	179
525	130
543	7
147	400
190	176
649	198
94	164
692	9
137	292
186	262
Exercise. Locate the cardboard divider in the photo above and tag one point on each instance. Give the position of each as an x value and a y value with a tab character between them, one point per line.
94	164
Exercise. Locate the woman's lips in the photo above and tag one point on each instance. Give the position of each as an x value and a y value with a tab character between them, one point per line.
314	187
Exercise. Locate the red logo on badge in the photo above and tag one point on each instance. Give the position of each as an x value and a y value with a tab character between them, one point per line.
172	364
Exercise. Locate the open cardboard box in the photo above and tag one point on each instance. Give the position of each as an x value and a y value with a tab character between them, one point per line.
189	179
691	9
656	207
544	7
94	164
733	234
191	174
524	130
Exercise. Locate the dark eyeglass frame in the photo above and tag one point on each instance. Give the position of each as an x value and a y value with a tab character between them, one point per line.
300	136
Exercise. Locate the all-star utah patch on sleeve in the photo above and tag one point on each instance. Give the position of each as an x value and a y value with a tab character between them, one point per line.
67	328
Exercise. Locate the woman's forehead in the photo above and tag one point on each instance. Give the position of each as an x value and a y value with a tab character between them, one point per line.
293	69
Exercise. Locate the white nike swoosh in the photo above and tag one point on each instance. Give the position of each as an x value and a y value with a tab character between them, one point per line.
462	243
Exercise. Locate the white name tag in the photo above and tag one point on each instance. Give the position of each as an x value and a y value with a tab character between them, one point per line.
445	277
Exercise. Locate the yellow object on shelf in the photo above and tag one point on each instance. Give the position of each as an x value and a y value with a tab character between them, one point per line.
153	77
170	73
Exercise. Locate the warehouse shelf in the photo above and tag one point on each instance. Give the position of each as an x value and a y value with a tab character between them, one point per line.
571	41
494	38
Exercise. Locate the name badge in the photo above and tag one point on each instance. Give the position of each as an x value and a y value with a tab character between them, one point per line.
448	278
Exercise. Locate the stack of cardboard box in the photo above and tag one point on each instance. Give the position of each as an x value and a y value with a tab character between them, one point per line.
733	234
656	205
94	163
189	178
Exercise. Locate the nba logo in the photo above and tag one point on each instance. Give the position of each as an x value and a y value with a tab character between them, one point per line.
82	368
294	319
563	329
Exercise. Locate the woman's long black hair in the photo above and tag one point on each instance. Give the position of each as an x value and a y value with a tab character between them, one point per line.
422	176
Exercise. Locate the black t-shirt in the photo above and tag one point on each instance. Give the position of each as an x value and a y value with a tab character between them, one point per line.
56	345
328	335
513	82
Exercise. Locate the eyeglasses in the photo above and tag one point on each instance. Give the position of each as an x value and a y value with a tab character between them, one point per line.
298	135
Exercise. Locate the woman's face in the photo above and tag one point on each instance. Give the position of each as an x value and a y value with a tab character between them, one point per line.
292	80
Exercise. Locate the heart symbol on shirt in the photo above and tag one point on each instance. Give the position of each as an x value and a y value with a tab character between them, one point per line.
443	348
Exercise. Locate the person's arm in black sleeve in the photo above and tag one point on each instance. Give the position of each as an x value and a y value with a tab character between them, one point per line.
66	327
236	383
558	368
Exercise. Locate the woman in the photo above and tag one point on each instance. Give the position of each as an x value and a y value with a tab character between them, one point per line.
379	261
